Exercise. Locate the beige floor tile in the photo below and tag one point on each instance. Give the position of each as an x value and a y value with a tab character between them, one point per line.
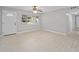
39	41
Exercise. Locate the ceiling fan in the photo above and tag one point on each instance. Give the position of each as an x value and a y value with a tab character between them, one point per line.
36	9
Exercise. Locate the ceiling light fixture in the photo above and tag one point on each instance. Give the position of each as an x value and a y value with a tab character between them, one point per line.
36	9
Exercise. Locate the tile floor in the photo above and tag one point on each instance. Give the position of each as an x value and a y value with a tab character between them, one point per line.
39	41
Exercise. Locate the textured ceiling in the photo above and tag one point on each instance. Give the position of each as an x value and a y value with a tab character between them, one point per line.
44	8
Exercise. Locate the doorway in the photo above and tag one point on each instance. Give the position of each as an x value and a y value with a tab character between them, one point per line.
8	22
77	22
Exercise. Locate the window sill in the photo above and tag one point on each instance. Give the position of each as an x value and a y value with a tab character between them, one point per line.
30	24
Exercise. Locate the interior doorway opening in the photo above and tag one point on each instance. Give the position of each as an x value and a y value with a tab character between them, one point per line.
73	21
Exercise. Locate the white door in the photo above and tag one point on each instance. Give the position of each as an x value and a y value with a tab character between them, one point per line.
8	22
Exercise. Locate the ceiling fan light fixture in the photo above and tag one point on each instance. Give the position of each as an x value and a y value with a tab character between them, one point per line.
35	11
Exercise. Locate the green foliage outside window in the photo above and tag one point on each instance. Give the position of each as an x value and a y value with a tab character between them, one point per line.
30	19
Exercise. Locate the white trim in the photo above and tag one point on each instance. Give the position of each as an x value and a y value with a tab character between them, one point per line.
27	31
55	32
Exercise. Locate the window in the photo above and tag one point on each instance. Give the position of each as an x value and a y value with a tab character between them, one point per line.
30	19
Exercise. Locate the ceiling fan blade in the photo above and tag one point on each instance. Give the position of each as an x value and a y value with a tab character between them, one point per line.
40	10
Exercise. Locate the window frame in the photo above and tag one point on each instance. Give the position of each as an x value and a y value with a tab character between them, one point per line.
29	22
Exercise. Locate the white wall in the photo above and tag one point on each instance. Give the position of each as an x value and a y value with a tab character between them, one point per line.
0	21
56	21
20	26
23	26
73	21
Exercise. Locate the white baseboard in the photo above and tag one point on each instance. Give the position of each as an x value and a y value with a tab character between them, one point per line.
28	31
41	29
55	32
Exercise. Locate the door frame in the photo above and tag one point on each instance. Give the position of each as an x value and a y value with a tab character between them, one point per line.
71	18
2	22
